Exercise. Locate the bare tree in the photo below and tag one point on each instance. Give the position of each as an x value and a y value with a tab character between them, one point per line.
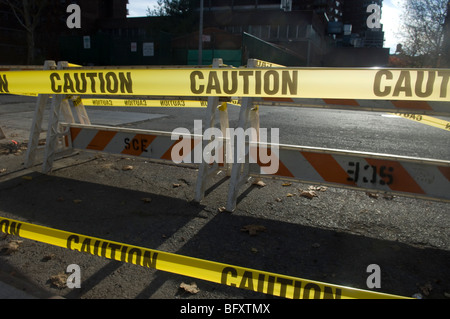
28	13
170	8
446	57
423	31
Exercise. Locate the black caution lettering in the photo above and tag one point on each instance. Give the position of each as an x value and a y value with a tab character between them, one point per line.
428	85
266	283
196	89
3	84
72	239
81	82
269	82
247	281
377	88
307	291
112	83
228	272
213	83
12	228
68	84
385	84
444	84
403	84
226	82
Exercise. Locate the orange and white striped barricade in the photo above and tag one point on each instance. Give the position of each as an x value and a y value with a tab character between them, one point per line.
154	145
407	176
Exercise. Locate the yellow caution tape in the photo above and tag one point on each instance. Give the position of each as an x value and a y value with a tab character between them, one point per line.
72	65
144	103
373	84
428	120
149	103
235	276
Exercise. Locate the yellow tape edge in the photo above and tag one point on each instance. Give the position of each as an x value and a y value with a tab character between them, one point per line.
245	278
427	120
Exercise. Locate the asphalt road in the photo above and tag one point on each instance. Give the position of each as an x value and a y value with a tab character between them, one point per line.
330	238
377	132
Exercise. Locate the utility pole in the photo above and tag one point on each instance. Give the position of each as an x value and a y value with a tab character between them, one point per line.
200	36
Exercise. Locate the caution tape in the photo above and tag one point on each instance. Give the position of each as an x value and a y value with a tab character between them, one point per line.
374	84
149	103
145	103
235	276
427	120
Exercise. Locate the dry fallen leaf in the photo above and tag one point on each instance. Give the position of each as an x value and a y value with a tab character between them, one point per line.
278	199
221	209
308	194
372	195
59	281
253	229
286	184
127	168
10	247
289	195
176	185
146	199
318	188
259	183
192	288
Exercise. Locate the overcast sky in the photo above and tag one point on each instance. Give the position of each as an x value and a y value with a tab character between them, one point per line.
390	17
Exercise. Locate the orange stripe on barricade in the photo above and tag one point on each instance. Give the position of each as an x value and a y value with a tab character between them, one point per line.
278	99
415	105
341	102
180	155
74	131
282	168
445	171
101	140
328	168
403	181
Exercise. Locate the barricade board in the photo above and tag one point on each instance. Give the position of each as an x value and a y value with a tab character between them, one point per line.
420	178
